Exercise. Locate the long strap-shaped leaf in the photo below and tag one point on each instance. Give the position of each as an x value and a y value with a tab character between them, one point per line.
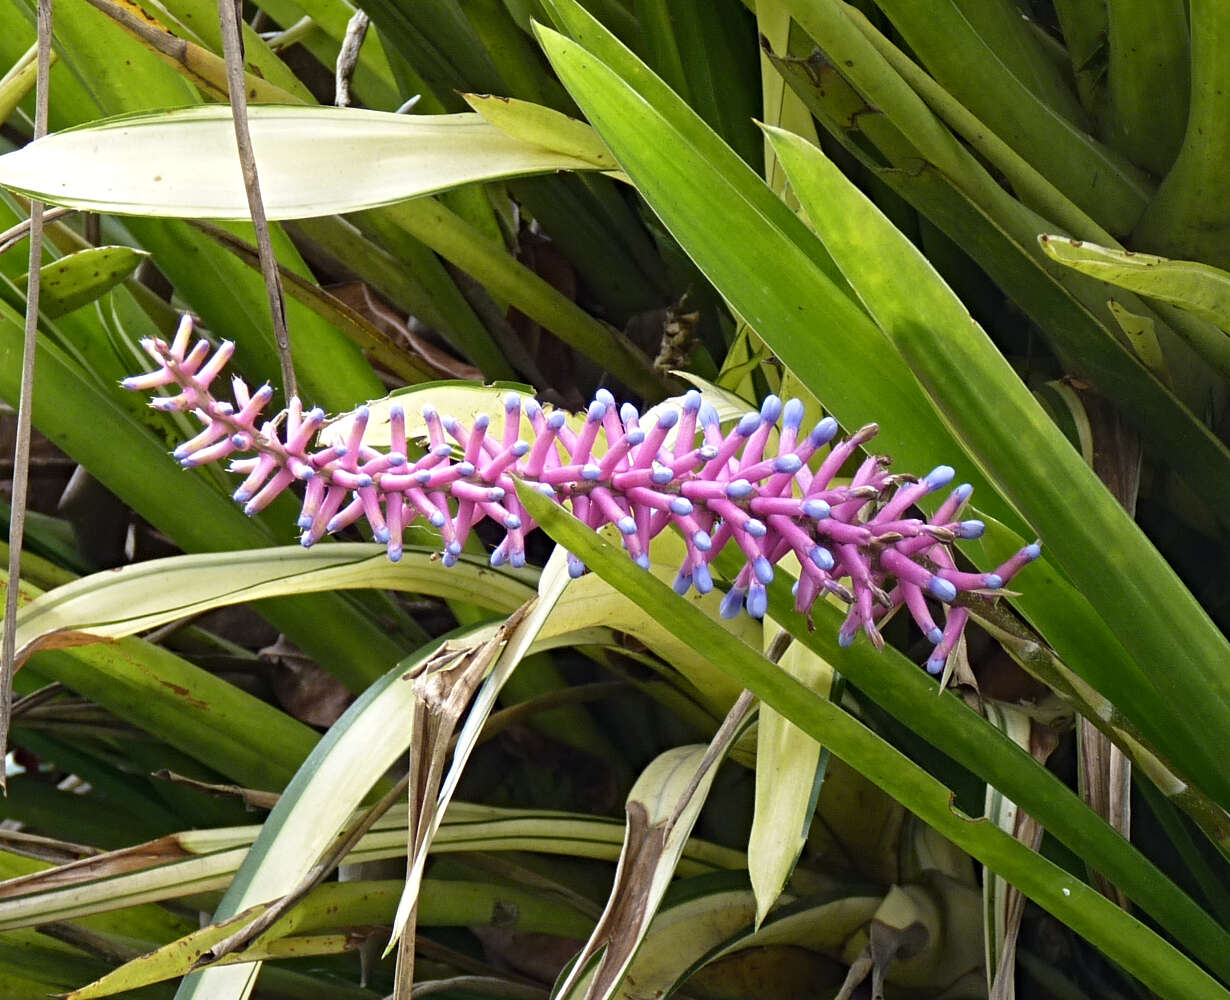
768	280
182	162
1122	938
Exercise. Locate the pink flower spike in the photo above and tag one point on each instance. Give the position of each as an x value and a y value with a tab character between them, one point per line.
261	471
917	606
268	492
394	505
512	419
474	443
685	436
614	458
495	468
213	367
543	444
151	380
183	333
840	454
957	617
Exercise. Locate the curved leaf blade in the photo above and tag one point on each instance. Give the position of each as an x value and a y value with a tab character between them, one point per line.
182	163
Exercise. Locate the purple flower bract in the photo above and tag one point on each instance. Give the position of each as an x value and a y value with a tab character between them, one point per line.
675	468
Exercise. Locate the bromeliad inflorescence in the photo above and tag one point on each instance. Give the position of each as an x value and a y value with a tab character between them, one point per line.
678	470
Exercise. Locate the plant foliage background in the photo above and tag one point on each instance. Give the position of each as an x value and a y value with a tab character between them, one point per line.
997	230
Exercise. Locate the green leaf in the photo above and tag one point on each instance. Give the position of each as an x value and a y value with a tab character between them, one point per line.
1189	285
145	595
1086	530
751	249
542	126
790	768
948	724
182	163
79	278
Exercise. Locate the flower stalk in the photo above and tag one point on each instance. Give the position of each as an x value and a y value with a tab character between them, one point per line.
678	471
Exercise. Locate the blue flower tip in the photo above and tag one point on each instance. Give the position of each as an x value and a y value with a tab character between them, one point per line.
757	601
429	412
748	424
1032	551
940	476
516	560
635	436
520	448
437	519
448	560
395	553
532	409
604	397
396	412
845	639
789	464
682	584
993	581
821	557
793	413
306	540
935	666
740	489
465	468
381	535
708	416
546	489
732	603
498	558
935	635
576	569
591	472
942	589
243	496
702	540
668	418
681	506
817	510
596	412
770	409
692	400
629	414
512	401
482	421
557	420
971	529
512	522
661	475
627	525
495	494
702	578
963	492
763	570
823	432
755	528
642	561
453	548
305	522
